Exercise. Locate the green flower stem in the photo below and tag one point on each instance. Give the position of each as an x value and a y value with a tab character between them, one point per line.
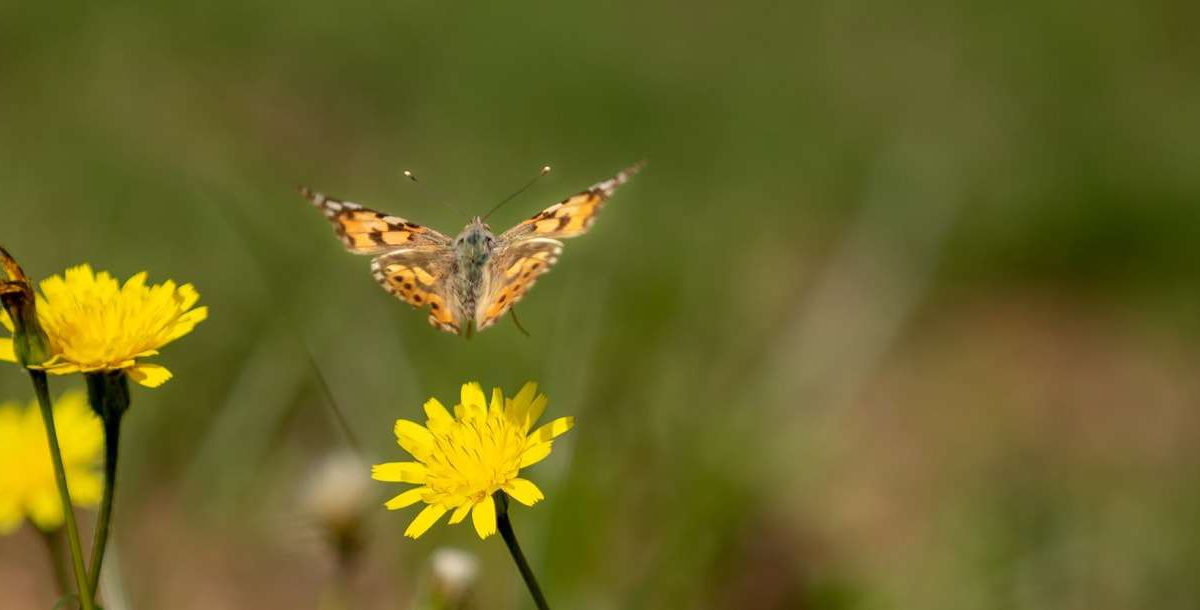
54	549
108	393
338	593
42	389
510	539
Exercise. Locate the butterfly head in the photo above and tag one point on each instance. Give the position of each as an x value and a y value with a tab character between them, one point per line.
476	241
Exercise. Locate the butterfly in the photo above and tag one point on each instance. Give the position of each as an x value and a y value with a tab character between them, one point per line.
468	282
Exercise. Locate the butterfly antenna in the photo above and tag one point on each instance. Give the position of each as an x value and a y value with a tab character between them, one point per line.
411	176
545	170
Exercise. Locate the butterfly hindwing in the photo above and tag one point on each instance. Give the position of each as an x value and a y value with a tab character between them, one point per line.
574	215
419	277
510	273
366	231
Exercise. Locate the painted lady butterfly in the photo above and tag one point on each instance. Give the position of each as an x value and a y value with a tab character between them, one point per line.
470	281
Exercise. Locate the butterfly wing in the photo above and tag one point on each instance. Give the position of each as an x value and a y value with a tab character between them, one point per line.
529	249
574	215
512	270
366	231
419	277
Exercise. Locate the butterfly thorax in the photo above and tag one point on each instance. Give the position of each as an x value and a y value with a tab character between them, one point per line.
472	250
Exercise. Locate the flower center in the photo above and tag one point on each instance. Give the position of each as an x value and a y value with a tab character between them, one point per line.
474	458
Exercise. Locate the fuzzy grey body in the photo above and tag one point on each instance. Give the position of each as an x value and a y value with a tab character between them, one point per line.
473	248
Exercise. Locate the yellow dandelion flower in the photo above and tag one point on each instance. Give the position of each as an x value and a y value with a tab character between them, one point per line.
95	324
464	459
27	485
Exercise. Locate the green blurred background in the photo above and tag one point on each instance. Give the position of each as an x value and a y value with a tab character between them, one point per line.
901	314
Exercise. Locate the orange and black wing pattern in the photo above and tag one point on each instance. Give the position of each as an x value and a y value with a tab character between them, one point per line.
511	273
419	277
574	215
366	231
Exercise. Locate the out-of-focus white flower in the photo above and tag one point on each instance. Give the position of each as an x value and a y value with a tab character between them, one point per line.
338	491
454	574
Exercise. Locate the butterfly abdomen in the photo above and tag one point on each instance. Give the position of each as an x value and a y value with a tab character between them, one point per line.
472	251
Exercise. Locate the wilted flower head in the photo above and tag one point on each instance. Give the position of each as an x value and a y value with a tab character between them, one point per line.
95	324
464	459
29	344
28	488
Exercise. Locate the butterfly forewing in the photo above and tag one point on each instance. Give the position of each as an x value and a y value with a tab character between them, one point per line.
366	231
574	215
527	250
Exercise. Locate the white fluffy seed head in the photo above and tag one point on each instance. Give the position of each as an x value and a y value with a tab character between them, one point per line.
338	490
454	572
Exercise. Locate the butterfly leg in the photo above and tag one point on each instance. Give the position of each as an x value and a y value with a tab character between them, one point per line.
512	311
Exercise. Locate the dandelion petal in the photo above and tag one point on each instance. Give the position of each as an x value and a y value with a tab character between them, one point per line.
484	517
186	323
425	520
85	485
535	454
399	472
150	375
6	350
437	413
524	491
535	410
406	499
136	282
45	509
460	513
552	430
527	392
518	407
473	400
472	393
413	437
497	406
